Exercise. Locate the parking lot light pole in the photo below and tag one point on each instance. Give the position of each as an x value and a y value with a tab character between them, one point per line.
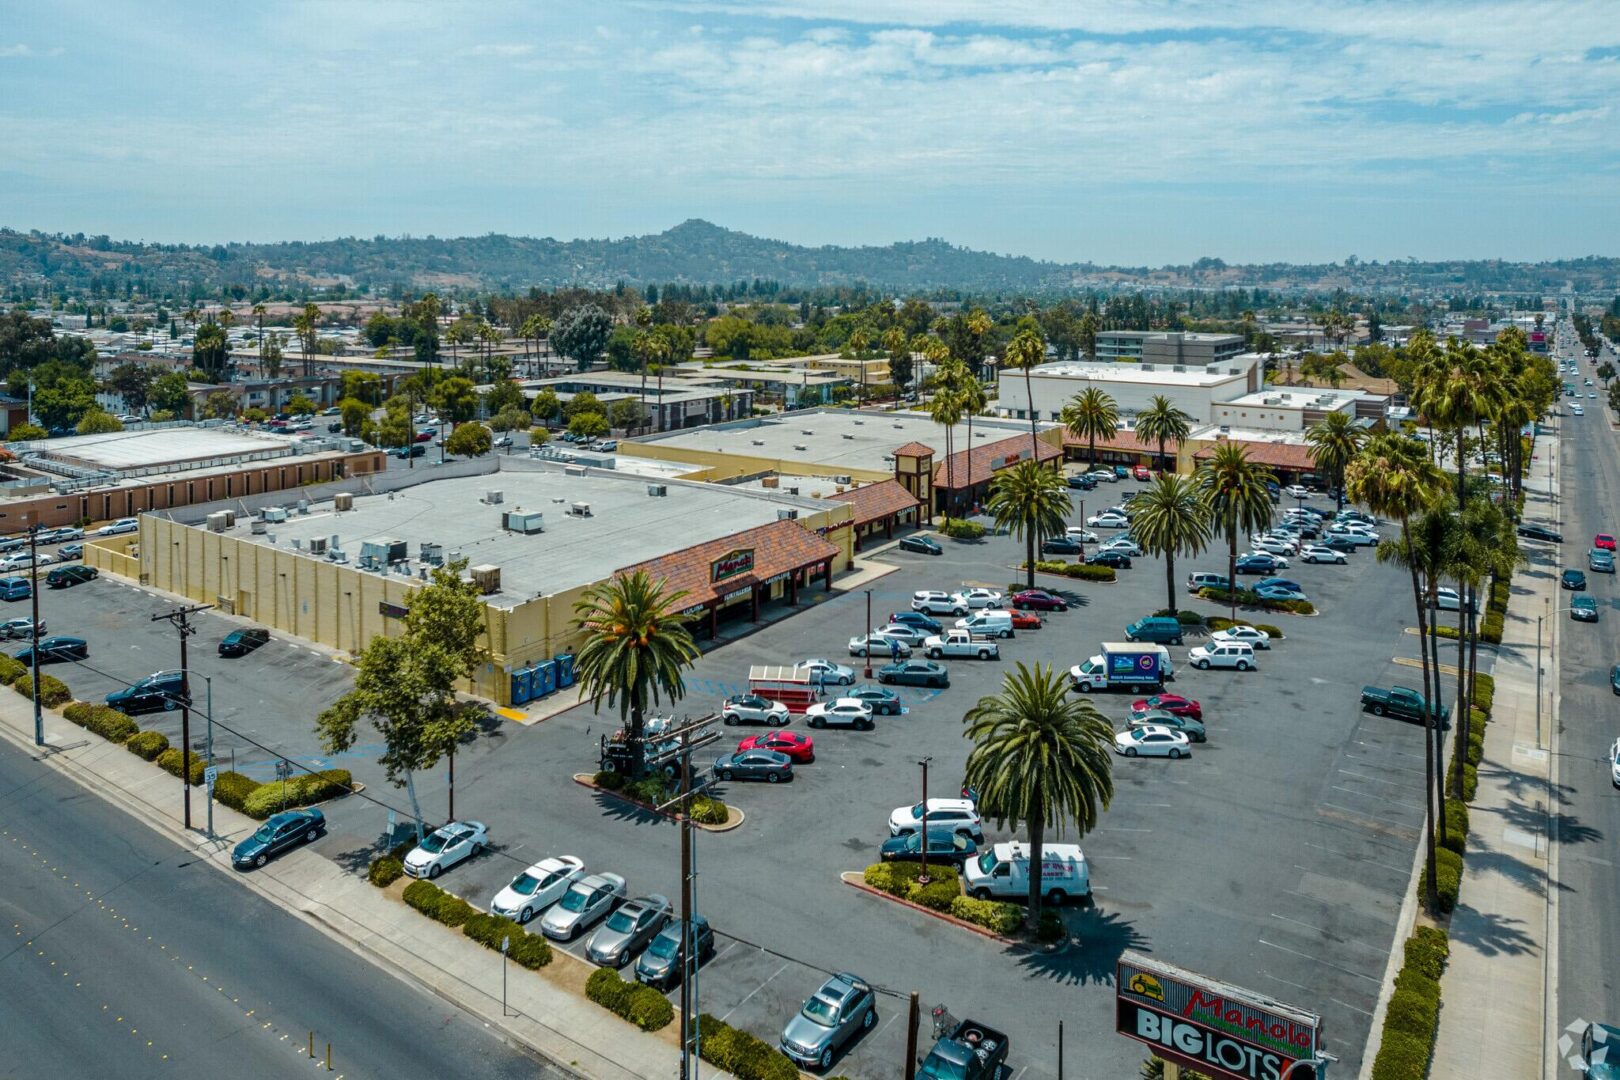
33	649
867	673
923	878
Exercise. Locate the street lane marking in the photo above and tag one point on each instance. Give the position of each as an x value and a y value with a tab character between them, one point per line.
1318	960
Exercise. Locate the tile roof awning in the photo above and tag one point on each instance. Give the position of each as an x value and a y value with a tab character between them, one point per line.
914	449
1279	455
974	466
1124	440
741	560
875	502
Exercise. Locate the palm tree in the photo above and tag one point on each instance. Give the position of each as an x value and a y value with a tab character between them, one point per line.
636	645
1041	759
1398	480
1486	548
970	395
1234	491
945	409
258	313
1162	422
1025	351
1170	518
1031	502
1464	393
858	343
1090	415
1334	441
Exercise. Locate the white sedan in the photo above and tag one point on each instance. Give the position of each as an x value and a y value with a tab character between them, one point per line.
1242	635
537	888
980	598
445	847
1278	562
1316	553
122	525
825	671
1152	741
1272	545
1085	536
1108	520
878	643
845	712
1297	491
1124	545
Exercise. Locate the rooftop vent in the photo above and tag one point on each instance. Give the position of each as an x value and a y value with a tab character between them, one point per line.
849	434
256	527
494	498
806	431
343	500
800	447
843	480
786	514
574	470
487	578
579	509
757	442
527	522
317	545
657	490
858	423
432	554
275	514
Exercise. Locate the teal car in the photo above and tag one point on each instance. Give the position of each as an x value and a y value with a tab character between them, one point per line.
1583	609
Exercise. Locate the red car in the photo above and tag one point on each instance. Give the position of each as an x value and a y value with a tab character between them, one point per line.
1170	703
801	748
1025	620
1604	541
1142	472
1039	600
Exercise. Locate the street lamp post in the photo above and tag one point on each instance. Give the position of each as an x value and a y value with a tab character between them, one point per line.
867	671
33	649
922	877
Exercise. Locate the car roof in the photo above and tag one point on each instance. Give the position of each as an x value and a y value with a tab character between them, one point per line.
843	986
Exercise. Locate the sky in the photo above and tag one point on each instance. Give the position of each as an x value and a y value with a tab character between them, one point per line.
1129	132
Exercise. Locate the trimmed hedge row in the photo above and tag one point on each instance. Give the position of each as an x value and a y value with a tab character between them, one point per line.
384	871
303	789
1448	866
1082	571
147	745
641	1005
53	692
1414	1007
528	949
943	893
11	668
1250	598
110	724
1456	814
170	762
741	1054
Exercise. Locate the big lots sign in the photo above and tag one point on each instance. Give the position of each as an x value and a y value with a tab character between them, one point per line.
1209	1026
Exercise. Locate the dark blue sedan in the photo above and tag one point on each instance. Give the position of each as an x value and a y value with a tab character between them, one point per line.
287	829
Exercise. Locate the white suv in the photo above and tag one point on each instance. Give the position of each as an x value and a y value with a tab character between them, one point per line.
980	598
959	815
1223	654
934	602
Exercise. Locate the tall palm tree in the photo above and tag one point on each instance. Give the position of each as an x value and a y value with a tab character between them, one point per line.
1091	415
1031	502
1162	422
859	342
258	313
1024	351
1396	479
1334	440
636	647
1170	518
1234	490
945	409
1462	394
1487	548
1041	759
969	391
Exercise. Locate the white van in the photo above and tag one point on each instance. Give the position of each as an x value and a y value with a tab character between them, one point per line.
1002	872
992	622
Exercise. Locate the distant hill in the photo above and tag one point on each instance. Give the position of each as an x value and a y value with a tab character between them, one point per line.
699	252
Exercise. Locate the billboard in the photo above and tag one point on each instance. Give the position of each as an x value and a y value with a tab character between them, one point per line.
1210	1026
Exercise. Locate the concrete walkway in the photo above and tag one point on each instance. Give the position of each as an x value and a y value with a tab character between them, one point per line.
562	1025
1494	994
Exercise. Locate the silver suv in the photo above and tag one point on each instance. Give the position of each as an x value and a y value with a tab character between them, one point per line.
828	1019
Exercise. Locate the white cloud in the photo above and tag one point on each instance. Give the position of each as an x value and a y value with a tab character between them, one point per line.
499	50
7	51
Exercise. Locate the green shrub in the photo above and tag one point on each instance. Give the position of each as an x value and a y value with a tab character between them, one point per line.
452	910
1418	983
11	668
110	724
936	895
1082	571
1490	628
993	915
1447	879
1470	780
1185	618
1476	746
232	789
1444	631
488	930
531	951
741	1054
1456	825
383	871
147	744
1249	598
1402	1057
1051	926
900	879
641	1005
1412	1013
707	811
424	897
613	781
170	761
959	529
53	692
1427	950
1484	692
302	789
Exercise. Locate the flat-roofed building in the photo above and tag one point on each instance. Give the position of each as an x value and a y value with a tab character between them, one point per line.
1193	388
1168	347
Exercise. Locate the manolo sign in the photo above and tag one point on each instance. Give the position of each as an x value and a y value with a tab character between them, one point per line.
732	563
1210	1026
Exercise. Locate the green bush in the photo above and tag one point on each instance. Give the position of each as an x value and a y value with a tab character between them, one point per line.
170	761
1490	628
1484	692
232	789
302	789
1444	631
53	692
1153	1069
1185	618
110	724
1456	825
959	529
383	871
147	744
1411	1013
11	668
531	951
1249	598
1402	1057
641	1005
994	915
936	895
488	930
1470	780
1409	1021
1476	746
612	781
1447	878
1082	571
1217	622
707	811
741	1054
452	910
424	897
1426	952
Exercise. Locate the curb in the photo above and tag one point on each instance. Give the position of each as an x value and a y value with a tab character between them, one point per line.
854	879
734	816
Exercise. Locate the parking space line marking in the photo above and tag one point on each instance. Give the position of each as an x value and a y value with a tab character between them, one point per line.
1376	779
1352	1008
725	950
754	991
1331	937
1383	821
1318	960
1123	828
1380	798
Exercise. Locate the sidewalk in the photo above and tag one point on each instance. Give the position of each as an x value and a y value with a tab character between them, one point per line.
576	1034
1493	995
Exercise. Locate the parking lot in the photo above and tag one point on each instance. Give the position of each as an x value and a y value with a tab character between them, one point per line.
1276	857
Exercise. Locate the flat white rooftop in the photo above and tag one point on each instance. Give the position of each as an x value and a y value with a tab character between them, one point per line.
1298	399
1145	374
1260	435
136	451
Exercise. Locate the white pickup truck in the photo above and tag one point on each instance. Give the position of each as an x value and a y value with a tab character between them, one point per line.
961	643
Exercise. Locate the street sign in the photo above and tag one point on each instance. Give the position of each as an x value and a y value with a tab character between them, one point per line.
210	774
505	943
1214	1027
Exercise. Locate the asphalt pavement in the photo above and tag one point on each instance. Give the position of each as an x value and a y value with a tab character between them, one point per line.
124	956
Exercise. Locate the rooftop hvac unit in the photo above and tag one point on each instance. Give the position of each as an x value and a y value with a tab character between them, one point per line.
337	556
298	544
793	491
574	470
800	447
899	427
658	490
230	518
845	480
806	431
217	522
256	527
343	500
523	521
757	442
858	423
274	513
849	434
317	545
432	554
494	498
785	514
579	509
487	578
303	506
373	554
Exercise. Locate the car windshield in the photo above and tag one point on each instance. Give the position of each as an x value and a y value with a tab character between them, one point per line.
435	843
576	899
525	884
265	833
987	862
820	1011
664	946
621	921
939	1068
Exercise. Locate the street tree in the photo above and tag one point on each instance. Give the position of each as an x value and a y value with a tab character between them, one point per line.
581	333
354	413
1025	351
1031	502
1334	441
169	393
469	440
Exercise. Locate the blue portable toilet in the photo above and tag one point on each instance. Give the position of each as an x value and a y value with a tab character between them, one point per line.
565	671
522	686
545	678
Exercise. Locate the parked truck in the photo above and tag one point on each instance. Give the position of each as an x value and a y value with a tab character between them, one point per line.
1001	872
1123	666
1398	701
961	643
966	1050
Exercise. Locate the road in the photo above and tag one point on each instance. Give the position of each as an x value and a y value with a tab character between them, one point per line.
1586	805
124	956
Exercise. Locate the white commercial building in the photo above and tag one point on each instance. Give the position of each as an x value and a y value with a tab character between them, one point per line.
1286	410
1196	389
